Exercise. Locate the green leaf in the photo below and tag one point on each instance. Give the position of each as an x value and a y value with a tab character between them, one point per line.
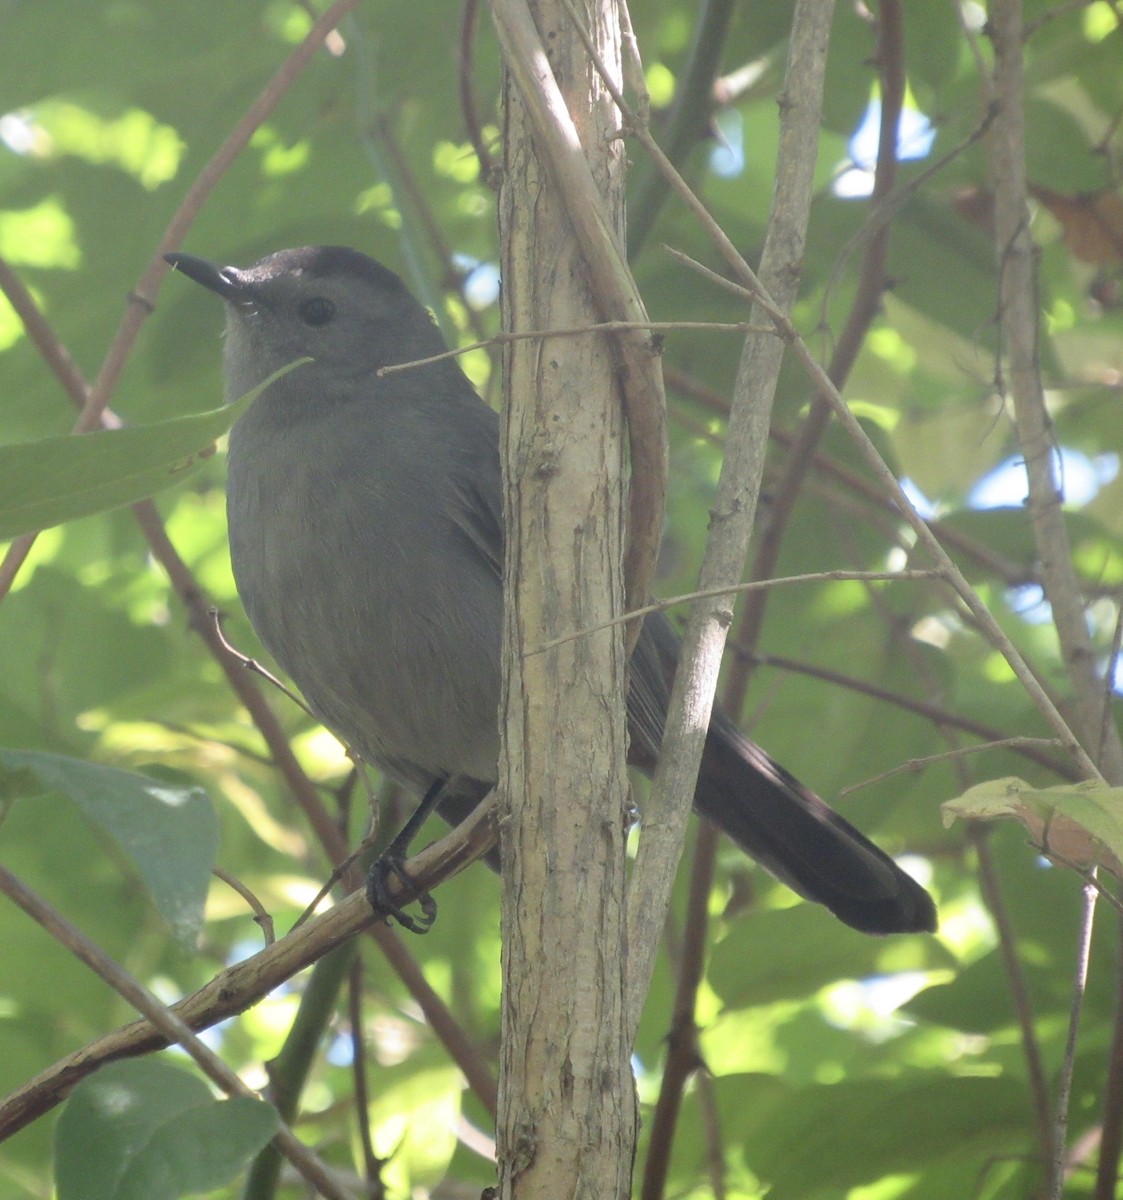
1080	823
167	830
149	1131
205	1148
833	1137
57	479
827	951
977	1000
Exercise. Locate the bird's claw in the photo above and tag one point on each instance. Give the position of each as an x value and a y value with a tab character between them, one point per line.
379	898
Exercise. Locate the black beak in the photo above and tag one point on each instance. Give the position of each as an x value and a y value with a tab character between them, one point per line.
226	282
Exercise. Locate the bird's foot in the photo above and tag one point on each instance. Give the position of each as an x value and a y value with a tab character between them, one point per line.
378	894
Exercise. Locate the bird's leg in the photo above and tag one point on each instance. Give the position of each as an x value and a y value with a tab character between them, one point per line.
392	862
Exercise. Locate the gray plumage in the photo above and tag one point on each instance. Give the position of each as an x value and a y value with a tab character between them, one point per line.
366	539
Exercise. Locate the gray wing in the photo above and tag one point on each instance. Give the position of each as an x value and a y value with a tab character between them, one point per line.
477	486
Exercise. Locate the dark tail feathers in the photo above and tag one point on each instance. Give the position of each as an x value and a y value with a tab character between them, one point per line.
803	842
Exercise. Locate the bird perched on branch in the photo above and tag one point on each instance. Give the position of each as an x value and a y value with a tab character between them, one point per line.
366	535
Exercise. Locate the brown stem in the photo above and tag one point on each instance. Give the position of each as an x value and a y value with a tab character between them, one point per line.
469	22
173	1030
936	713
867	303
1019	989
372	1164
1111	1139
1068	1062
200	618
43	336
1019	312
743	466
234	989
683	1055
1011	572
726	547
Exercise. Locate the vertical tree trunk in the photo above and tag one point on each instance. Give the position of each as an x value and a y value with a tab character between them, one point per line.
567	1110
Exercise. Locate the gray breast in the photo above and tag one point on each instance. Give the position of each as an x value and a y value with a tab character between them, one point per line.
357	575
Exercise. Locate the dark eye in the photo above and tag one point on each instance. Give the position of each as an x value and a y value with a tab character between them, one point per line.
319	310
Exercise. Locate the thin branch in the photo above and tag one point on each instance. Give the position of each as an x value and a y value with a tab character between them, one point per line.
1068	1063
1107	700
689	118
261	915
1089	874
343	872
1020	316
684	1055
1017	985
1019	312
866	305
916	765
500	339
1111	1144
252	665
631	60
45	339
449	1032
888	206
712	1132
638	129
372	1164
288	1072
738	486
1011	572
743	291
1052	13
469	22
412	197
729	590
978	611
935	713
238	987
172	1028
199	610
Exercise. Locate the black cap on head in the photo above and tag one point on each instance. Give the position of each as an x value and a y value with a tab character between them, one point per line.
324	262
316	262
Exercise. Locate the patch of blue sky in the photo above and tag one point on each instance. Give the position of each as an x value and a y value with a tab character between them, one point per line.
481	280
727	158
915	135
928	509
1005	486
1081	478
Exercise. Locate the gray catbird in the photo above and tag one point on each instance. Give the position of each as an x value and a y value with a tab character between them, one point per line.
367	542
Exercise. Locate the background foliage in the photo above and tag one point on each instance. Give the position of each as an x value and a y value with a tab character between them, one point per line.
837	1065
